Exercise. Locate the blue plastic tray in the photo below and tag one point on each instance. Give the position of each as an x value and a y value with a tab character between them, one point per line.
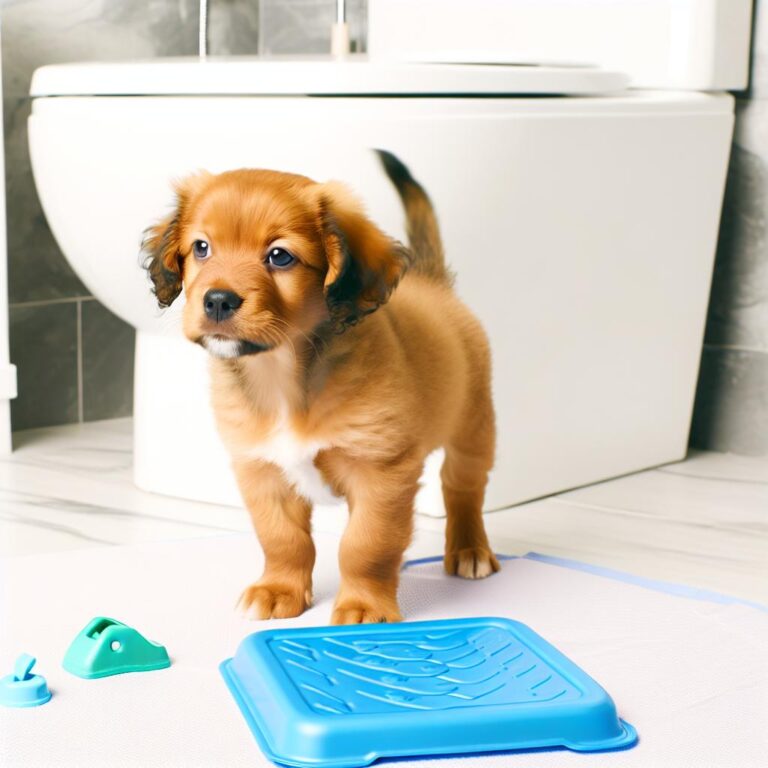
345	696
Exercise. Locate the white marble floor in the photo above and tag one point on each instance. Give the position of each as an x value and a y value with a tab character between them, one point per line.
702	522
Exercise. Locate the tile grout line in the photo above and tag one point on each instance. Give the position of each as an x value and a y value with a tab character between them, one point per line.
736	348
47	302
80	362
717	478
638	513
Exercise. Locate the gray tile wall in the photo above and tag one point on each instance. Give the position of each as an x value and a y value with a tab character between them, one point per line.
302	26
48	379
731	411
75	359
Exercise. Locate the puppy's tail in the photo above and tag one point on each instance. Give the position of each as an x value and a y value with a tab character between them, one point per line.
421	222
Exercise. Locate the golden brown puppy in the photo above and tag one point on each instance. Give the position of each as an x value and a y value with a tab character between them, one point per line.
333	369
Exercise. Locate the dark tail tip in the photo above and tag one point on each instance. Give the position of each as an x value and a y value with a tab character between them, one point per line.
397	171
421	223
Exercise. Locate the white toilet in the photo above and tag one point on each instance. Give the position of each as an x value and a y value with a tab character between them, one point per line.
581	216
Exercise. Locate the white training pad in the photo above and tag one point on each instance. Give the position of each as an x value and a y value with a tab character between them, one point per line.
691	676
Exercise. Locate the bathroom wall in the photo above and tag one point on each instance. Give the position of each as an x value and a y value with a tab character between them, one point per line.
731	412
74	358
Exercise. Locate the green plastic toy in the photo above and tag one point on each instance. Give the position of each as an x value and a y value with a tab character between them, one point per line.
108	647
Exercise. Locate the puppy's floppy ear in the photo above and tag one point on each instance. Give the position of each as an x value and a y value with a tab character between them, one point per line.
364	264
161	247
162	259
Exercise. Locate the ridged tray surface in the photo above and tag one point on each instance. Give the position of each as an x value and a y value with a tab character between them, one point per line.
345	696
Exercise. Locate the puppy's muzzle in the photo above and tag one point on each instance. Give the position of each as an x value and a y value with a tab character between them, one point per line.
220	305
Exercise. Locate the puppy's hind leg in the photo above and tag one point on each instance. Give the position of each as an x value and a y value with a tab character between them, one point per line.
468	459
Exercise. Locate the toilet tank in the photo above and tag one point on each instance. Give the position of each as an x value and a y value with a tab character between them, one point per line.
681	44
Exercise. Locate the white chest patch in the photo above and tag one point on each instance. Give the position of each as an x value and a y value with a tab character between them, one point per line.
296	458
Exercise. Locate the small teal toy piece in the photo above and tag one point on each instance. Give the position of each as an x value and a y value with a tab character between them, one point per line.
22	688
343	697
108	647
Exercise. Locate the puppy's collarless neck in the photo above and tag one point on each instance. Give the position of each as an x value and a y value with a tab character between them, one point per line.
282	381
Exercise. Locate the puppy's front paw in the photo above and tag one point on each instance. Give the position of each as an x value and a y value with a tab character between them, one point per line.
471	563
265	600
364	612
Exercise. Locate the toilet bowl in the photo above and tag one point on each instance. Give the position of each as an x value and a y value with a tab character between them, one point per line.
580	216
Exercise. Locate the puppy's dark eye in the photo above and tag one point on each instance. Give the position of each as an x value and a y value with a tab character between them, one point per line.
201	249
280	258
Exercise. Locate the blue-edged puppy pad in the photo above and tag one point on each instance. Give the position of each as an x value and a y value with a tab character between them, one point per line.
339	697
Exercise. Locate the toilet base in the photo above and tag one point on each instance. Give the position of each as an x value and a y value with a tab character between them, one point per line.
178	452
176	448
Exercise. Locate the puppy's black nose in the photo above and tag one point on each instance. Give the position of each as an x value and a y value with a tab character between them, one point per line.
220	305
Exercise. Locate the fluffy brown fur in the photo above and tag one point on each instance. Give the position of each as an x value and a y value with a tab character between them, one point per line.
356	360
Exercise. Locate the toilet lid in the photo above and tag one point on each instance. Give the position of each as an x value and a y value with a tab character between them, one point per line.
355	76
